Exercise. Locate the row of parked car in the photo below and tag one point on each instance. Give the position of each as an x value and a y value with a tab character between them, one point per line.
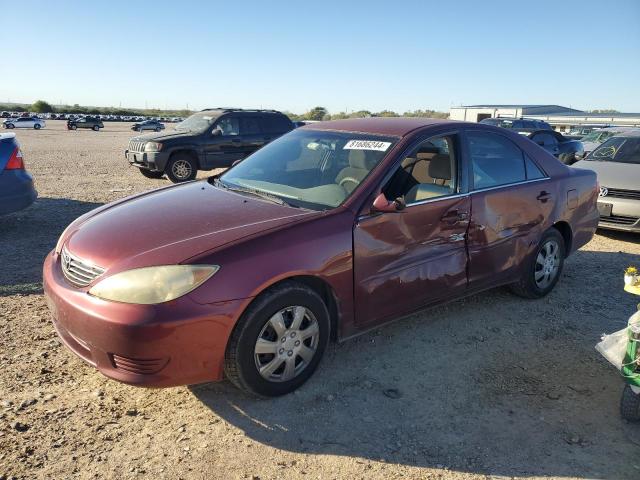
92	123
75	116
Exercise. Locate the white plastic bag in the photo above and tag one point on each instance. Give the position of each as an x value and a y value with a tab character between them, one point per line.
613	347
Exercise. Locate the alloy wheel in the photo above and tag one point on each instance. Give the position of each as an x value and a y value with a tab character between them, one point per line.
181	169
547	264
287	344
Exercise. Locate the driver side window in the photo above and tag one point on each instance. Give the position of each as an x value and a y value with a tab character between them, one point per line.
428	172
227	126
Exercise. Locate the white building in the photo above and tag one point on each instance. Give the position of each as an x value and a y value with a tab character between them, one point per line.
559	117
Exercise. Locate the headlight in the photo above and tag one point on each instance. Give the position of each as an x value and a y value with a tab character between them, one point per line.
152	147
151	285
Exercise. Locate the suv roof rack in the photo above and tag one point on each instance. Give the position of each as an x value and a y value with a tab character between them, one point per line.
233	109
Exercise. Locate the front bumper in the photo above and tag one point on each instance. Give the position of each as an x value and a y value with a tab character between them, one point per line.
16	191
625	214
154	161
175	343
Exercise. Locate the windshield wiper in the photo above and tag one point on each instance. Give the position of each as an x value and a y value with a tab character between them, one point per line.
256	193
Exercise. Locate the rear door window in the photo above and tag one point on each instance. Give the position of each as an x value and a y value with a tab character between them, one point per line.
249	126
275	124
495	160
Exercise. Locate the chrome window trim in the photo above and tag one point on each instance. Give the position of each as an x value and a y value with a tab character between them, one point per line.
523	182
436	199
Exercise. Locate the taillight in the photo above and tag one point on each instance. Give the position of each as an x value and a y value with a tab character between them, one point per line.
15	161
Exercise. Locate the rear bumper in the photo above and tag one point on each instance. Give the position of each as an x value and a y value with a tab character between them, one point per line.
16	191
174	343
154	161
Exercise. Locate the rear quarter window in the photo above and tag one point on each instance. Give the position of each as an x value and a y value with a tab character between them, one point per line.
275	124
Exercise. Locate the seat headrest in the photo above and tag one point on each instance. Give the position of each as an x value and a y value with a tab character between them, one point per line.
440	167
358	159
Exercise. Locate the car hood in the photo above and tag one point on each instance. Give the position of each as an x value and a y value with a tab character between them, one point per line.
163	136
171	225
625	176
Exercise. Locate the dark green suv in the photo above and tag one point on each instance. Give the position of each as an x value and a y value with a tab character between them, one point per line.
209	139
94	124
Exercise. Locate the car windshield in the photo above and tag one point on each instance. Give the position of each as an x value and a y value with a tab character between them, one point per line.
618	149
309	168
597	136
198	122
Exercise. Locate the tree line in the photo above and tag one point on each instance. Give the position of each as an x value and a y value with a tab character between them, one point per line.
316	113
321	113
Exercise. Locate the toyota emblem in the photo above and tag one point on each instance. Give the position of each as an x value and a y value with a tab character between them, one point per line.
604	191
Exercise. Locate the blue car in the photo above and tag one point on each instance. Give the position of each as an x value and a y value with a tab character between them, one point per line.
16	184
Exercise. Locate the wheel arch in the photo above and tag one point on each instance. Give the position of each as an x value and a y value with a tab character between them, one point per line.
186	150
318	285
567	235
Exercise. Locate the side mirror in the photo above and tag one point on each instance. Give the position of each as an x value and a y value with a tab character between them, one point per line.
381	204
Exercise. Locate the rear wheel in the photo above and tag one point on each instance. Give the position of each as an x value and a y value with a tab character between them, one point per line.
73	127
95	128
182	167
150	174
279	341
542	270
157	129
36	126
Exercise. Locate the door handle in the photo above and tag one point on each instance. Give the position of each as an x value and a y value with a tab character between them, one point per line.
543	196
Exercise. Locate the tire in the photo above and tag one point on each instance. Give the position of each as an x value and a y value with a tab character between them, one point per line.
10	126
284	371
157	129
73	127
36	126
536	282
630	405
95	128
150	174
182	167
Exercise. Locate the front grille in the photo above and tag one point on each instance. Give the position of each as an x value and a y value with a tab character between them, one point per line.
619	220
136	146
140	366
620	193
77	271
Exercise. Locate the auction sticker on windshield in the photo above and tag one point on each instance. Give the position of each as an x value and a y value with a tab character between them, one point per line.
367	145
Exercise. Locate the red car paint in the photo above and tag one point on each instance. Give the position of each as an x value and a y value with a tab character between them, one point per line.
366	259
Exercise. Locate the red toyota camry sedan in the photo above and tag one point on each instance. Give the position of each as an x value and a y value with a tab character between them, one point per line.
329	231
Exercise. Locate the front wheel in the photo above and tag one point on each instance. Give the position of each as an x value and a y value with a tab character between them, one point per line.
95	128
279	341
182	167
157	129
10	126
73	127
36	126
630	405
542	270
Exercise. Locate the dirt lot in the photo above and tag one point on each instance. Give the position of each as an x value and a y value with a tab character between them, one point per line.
492	386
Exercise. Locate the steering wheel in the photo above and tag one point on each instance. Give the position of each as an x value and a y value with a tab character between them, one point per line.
349	179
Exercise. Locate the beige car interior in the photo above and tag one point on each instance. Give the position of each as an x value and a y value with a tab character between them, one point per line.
427	173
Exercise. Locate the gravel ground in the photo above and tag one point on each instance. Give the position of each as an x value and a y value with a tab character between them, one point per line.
492	386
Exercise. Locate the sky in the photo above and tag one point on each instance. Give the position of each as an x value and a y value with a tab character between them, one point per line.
342	55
